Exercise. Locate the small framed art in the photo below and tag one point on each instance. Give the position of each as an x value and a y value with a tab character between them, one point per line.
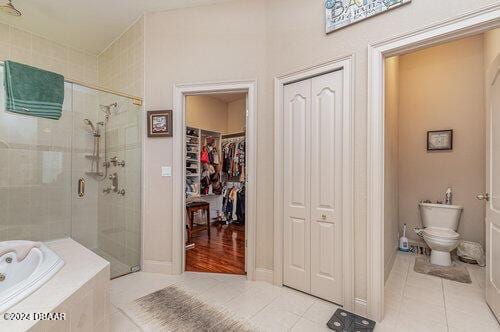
160	123
440	140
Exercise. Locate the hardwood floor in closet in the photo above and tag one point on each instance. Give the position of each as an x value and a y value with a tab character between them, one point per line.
224	252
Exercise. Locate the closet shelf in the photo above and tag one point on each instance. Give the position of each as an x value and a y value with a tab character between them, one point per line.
193	160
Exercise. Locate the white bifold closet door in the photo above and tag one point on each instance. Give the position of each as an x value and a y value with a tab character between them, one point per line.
313	186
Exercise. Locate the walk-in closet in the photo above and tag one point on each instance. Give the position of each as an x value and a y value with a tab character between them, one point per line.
215	155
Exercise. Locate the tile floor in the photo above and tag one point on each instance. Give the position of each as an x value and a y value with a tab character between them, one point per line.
414	302
267	307
418	302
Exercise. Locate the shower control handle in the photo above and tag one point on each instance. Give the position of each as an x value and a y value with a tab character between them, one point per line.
485	197
81	187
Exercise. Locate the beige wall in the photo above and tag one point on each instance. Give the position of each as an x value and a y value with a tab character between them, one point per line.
236	116
207	113
491	46
214	114
262	39
442	88
391	187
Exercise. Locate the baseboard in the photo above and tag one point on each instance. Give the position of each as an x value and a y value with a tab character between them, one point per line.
157	267
361	307
264	275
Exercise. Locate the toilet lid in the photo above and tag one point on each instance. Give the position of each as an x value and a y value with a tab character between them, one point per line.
441	233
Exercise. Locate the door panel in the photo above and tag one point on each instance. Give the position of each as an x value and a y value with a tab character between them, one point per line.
313	186
326	186
493	181
297	186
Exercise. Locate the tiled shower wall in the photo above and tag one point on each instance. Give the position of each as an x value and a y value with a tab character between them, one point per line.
36	190
121	68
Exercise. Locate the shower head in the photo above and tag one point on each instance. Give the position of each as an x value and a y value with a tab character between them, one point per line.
107	108
89	123
9	8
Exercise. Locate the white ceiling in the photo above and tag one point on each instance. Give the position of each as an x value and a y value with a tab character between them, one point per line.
88	25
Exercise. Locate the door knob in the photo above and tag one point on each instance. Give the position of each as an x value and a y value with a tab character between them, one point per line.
323	216
485	197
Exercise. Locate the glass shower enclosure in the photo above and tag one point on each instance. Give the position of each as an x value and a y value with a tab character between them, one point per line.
78	177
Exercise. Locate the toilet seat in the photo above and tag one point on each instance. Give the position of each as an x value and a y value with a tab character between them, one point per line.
440	233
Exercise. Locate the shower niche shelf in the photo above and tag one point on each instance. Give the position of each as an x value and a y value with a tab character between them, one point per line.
95	173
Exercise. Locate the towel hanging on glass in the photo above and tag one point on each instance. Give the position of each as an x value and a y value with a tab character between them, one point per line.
33	91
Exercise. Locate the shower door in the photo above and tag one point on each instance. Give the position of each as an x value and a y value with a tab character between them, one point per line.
106	181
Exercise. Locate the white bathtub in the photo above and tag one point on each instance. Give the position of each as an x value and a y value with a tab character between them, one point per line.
24	277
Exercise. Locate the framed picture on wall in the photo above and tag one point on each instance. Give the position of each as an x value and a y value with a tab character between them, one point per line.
440	140
160	123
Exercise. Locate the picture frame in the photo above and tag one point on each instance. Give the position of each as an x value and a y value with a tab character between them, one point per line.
343	13
160	123
440	140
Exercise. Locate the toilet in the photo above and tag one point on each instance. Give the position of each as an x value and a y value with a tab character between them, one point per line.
440	223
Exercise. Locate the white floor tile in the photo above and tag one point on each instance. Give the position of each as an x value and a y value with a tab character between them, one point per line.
423	310
118	322
293	301
468	316
320	311
305	325
430	296
421	302
274	319
249	303
414	302
424	280
419	323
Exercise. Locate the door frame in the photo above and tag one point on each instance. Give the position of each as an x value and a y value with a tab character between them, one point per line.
344	64
180	91
469	24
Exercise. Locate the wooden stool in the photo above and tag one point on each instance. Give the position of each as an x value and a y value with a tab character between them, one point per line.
193	207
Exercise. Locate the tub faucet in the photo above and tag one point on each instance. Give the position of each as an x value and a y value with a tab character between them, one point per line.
448	197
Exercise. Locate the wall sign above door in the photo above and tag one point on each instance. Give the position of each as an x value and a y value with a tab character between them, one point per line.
341	13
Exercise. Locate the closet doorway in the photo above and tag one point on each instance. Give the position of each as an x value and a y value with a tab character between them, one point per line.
215	182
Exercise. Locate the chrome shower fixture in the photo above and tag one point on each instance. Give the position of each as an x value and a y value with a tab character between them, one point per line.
107	108
93	128
9	8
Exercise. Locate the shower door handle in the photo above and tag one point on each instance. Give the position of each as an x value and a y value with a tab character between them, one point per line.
81	187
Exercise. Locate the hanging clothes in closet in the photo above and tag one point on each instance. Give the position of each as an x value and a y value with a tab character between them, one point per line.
233	203
210	177
233	152
233	178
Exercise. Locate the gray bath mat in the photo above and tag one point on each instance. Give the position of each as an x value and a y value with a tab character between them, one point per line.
172	309
455	272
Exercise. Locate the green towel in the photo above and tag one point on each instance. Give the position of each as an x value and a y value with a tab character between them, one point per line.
32	91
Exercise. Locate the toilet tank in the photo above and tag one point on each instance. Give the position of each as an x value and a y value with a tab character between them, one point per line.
440	215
